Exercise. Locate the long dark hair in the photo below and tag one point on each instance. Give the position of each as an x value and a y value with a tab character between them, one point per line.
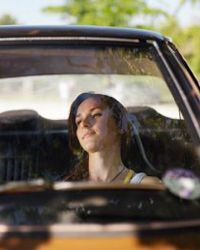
120	116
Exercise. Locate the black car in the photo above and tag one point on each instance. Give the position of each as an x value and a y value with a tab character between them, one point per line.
42	70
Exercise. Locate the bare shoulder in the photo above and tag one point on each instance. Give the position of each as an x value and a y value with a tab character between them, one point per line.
151	180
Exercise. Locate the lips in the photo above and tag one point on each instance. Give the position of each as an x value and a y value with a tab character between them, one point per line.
87	134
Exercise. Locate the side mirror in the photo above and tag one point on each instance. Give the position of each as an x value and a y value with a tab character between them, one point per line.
182	183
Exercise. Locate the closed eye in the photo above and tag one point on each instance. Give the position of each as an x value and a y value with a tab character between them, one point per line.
77	122
96	114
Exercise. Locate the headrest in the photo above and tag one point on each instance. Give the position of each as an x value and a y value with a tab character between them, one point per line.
19	120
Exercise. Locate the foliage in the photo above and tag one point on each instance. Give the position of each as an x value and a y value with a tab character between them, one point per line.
187	40
104	12
7	19
190	47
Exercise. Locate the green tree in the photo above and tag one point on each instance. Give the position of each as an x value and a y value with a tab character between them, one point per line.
7	19
182	2
189	43
105	12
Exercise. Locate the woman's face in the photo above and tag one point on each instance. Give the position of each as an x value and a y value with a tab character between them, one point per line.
96	129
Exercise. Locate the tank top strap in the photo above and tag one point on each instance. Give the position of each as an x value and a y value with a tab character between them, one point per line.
129	176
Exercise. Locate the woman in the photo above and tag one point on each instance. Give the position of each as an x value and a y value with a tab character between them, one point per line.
100	134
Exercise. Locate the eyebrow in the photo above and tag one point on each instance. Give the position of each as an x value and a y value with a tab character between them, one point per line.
92	109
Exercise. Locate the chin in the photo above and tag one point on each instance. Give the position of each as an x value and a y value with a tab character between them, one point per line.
92	149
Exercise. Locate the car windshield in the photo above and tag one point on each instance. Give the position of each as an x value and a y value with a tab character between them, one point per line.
39	83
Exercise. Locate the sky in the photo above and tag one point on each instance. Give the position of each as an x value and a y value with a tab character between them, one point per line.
30	12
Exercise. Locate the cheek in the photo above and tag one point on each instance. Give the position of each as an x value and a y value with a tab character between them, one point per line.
102	127
108	128
78	134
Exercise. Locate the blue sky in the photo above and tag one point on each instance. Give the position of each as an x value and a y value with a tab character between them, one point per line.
29	12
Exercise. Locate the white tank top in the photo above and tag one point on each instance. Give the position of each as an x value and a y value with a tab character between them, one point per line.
137	178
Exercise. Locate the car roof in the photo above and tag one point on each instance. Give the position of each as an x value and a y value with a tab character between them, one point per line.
19	31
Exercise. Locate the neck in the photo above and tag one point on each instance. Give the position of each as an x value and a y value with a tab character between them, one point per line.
103	167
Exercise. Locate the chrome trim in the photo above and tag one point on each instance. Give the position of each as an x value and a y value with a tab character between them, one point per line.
63	38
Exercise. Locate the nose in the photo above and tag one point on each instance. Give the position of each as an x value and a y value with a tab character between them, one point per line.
86	122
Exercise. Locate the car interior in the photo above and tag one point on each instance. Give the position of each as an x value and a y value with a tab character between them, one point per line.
33	147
